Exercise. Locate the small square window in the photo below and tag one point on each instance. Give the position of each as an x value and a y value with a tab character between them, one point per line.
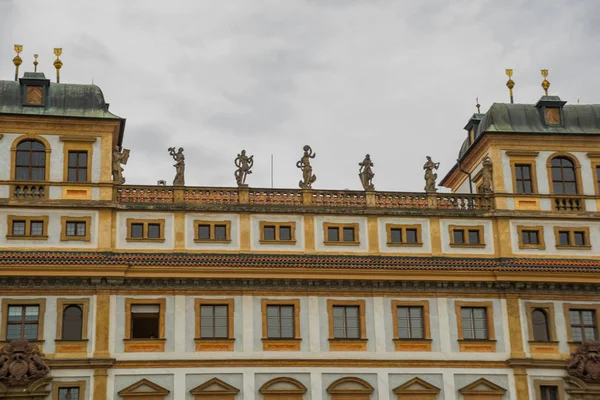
474	237
411	236
459	236
204	232
285	233
333	234
37	228
348	234
579	238
145	321
137	231
18	228
68	393
153	231
395	235
75	228
563	238
530	237
220	232
269	233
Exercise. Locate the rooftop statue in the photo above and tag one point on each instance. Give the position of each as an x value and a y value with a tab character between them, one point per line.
365	173
179	166
430	176
304	164
119	157
486	176
244	165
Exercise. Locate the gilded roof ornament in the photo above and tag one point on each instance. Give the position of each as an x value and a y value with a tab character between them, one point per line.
179	166
35	62
430	176
545	83
366	174
304	164
244	165
510	84
17	60
478	106
57	63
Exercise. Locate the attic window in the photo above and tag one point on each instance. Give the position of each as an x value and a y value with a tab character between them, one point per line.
552	116
33	96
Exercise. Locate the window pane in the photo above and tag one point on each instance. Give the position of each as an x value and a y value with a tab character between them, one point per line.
30	332
220	232
137	230
38	174
38	159
459	236
396	235
579	238
570	188
18	228
13	332
22	174
285	233
411	236
527	187
204	232
72	323
577	334
587	317
37	228
72	175
474	237
221	311
348	234
269	232
80	229
590	333
563	238
221	332
154	231
533	237
72	159
82	175
333	234
539	322
71	228
68	394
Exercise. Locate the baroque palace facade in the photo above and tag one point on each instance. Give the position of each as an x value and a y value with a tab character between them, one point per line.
118	291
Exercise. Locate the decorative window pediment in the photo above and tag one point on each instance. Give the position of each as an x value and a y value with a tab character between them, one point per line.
283	387
214	389
144	389
482	387
350	388
417	389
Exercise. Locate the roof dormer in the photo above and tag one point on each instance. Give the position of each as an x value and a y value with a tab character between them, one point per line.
34	89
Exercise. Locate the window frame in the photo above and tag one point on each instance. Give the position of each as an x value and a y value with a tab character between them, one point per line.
66	219
340	227
540	232
212	225
277	225
549	309
61	304
28	220
567	307
466	229
424	304
577	173
523	158
13	161
145	223
148	344
404	228
7	302
57	385
558	383
77	143
215	344
571	230
281	344
489	310
340	343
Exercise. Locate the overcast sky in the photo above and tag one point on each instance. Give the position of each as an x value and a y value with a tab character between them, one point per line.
395	79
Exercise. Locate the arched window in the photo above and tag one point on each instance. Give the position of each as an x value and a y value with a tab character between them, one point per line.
564	178
539	323
72	319
30	161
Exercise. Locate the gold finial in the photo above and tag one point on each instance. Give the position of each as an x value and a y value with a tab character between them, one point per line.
510	84
57	63
477	105
545	83
17	60
35	62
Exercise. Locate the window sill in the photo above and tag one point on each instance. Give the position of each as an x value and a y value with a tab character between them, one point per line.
24	237
531	246
477	345
548	342
75	239
467	245
144	345
37	342
412	344
394	244
561	247
347	344
327	243
277	241
217	344
158	240
283	344
216	241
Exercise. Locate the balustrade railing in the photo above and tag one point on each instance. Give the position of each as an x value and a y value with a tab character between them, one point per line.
561	203
334	198
145	194
275	197
210	196
400	200
29	191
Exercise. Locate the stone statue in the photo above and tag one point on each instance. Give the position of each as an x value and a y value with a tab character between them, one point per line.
365	173
21	363
304	164
118	159
243	164
486	176
179	166
430	176
585	362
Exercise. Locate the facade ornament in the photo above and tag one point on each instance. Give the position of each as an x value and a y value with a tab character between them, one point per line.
585	362
365	173
179	166
545	83
119	157
244	165
21	363
486	176
304	164
430	176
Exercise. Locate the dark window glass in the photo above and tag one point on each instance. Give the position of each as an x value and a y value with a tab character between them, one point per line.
22	322
411	236
285	233
333	234
579	238
598	177
410	323
459	236
539	323
145	321
36	228
214	321
137	230
269	233
280	321
346	322
549	392
563	176
204	232
523	178
75	228
563	238
474	237
77	166
153	231
220	232
30	161
474	322
396	235
18	228
348	234
583	325
71	393
72	320
530	237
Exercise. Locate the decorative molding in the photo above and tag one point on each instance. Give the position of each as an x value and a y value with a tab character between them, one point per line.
21	363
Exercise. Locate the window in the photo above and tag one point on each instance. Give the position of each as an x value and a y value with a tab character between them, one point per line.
346	322
277	232
410	323
30	161
280	321
596	168
72	323
212	231
572	237
404	235
539	324
523	178
340	234
549	389
563	175
214	321
523	167
145	325
281	324
466	236
531	237
548	393
145	321
68	393
62	390
347	325
583	325
140	230
22	227
75	228
474	323
22	322
77	166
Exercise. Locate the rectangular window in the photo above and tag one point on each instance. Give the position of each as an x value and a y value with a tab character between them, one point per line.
346	322
572	237
153	231
583	325
76	228
277	232
597	169
523	178
474	323
548	393
531	237
137	231
403	235
68	393
410	322
280	321
18	228
22	322
145	321
214	321
466	236
142	230
212	231
21	227
77	166
340	234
